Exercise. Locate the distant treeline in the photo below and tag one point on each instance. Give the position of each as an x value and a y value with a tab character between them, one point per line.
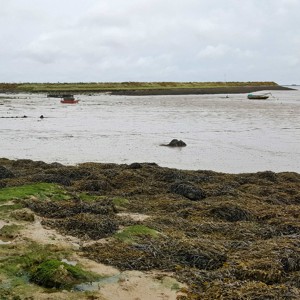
114	86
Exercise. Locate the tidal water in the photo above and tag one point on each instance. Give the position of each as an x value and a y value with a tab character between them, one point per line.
232	134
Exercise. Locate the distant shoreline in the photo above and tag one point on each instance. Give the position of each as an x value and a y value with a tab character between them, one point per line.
199	91
143	88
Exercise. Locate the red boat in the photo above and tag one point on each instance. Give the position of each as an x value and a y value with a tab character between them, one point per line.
68	99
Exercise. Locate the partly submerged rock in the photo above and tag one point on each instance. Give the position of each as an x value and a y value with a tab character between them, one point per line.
175	143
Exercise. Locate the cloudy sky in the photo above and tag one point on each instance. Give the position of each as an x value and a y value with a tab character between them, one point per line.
149	40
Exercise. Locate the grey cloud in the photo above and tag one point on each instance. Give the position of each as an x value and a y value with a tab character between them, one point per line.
149	40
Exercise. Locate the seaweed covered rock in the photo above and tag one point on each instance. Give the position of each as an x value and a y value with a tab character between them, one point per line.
5	173
268	175
93	186
290	261
135	166
163	253
52	178
85	226
53	273
188	191
62	209
231	213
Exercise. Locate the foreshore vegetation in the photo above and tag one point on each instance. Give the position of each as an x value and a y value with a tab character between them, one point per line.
119	86
222	236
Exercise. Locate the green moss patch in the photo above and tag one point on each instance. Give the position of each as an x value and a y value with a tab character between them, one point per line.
53	273
41	265
132	233
40	190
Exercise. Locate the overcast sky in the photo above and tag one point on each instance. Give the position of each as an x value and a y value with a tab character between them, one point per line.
149	40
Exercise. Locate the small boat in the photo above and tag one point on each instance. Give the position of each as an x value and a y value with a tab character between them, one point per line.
68	99
258	97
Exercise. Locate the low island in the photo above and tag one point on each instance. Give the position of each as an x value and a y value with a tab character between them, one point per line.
141	88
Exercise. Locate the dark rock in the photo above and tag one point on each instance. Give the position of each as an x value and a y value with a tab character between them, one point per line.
175	143
135	166
5	173
188	191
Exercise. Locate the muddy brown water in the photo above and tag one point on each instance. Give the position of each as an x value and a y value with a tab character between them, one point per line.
231	134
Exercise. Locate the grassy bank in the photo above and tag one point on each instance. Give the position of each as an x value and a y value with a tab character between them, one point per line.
226	236
127	86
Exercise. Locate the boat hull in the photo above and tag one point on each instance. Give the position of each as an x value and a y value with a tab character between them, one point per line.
257	97
69	101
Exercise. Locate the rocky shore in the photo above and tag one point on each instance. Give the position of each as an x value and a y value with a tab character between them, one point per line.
188	234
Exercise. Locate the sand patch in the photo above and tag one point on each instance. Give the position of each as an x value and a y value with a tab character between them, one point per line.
2	223
141	286
36	232
134	216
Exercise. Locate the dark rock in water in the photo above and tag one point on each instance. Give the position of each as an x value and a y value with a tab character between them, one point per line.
5	173
175	143
188	191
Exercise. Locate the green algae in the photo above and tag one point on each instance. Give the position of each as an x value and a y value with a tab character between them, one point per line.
132	233
40	190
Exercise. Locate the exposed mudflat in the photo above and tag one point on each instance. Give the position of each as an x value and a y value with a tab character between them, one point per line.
152	232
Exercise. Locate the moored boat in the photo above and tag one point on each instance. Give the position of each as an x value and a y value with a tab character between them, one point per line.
259	97
69	99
